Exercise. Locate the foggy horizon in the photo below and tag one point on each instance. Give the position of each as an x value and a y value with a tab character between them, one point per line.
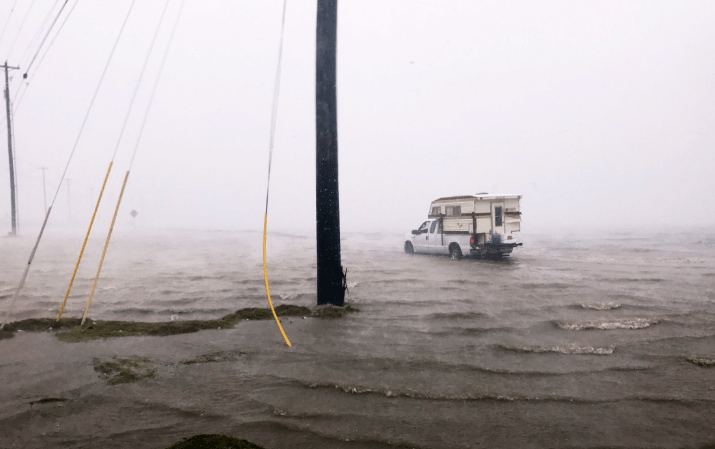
600	115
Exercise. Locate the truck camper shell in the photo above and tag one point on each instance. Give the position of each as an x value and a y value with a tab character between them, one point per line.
478	214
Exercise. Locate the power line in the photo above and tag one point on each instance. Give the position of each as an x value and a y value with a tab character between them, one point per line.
7	21
141	76
12	46
94	97
39	30
39	64
45	38
156	82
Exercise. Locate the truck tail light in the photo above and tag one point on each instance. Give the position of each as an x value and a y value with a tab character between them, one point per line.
471	241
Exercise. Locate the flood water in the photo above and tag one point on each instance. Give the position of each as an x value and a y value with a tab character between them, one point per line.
577	341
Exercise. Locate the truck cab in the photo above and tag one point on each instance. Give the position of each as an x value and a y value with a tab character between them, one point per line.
428	238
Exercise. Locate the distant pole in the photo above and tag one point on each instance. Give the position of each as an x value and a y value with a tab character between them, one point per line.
69	206
13	197
44	189
331	289
134	214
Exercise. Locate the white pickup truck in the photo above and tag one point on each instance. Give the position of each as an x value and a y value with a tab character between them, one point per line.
474	225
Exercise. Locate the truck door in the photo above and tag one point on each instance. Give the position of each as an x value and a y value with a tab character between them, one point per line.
498	217
435	238
420	241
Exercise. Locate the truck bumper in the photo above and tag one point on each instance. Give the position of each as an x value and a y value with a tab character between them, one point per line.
494	249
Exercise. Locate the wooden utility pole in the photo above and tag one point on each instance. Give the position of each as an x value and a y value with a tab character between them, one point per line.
13	196
331	280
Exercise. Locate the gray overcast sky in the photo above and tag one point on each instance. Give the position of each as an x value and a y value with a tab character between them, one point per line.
601	114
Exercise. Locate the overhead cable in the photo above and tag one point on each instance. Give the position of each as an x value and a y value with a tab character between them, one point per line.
19	31
42	58
39	31
4	28
45	38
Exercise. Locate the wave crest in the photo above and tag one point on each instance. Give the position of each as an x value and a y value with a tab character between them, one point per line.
457	315
569	349
626	323
436	397
610	305
702	361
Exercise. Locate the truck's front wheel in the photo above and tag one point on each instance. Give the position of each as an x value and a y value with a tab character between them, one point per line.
454	251
408	248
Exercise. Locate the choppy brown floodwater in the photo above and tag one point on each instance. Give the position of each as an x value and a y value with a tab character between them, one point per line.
578	342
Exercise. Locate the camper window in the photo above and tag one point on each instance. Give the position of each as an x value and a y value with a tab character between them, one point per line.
436	210
497	216
454	210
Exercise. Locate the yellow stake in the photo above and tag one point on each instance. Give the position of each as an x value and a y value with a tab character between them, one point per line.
81	252
104	251
265	277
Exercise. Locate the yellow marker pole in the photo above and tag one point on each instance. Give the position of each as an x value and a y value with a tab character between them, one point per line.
265	277
104	251
84	244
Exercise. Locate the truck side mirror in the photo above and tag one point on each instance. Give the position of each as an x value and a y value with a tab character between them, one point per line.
415	232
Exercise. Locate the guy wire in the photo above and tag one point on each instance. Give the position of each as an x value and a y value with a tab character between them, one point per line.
274	114
126	176
64	173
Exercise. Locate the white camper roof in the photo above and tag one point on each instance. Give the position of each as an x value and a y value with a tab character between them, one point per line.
479	196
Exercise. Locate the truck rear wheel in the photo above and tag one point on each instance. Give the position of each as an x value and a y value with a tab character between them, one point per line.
408	248
454	251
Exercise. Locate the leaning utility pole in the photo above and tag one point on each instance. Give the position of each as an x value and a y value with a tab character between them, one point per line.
331	280
9	149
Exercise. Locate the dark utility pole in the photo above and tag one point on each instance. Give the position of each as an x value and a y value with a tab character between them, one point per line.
331	285
9	150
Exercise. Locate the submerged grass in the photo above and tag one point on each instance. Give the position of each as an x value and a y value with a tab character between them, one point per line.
5	334
71	331
334	311
702	361
47	401
221	356
41	324
123	371
214	441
